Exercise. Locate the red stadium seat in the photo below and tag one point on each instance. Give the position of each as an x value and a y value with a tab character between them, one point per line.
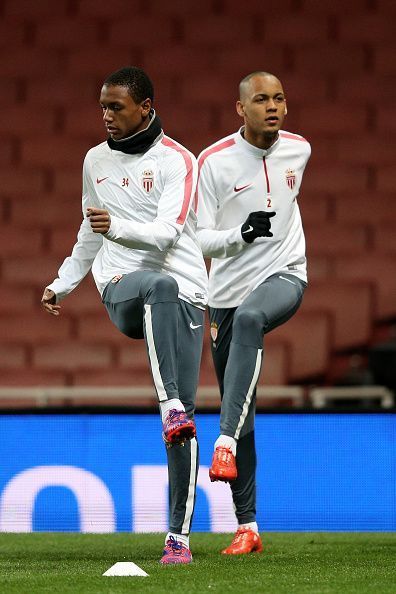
68	181
361	88
139	32
16	181
12	32
178	8
237	8
32	62
360	208
319	267
387	127
10	90
27	376
94	9
14	300
367	28
298	88
53	152
15	240
66	91
296	30
334	177
328	59
352	149
210	88
171	67
314	208
8	152
386	178
230	59
227	122
71	355
35	328
386	7
308	337
90	126
336	238
38	9
114	377
132	356
377	268
384	59
385	237
61	241
350	305
276	363
28	270
84	300
188	116
328	118
12	356
91	327
56	211
218	31
337	7
56	33
99	61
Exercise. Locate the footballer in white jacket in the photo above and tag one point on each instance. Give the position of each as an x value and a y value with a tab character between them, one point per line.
138	237
249	224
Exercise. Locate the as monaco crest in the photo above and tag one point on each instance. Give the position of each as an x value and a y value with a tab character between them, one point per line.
148	180
213	331
290	178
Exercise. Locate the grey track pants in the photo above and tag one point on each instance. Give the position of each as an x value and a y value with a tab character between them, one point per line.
237	355
145	304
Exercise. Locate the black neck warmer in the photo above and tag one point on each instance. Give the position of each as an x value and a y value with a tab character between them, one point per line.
141	141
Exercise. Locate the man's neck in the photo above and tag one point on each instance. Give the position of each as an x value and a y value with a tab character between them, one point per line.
260	140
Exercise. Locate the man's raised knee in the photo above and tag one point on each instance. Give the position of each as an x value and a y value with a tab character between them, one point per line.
163	288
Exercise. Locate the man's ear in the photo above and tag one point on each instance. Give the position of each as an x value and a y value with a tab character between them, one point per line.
285	109
240	109
146	106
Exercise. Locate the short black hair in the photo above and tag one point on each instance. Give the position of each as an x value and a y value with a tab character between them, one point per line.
247	78
135	80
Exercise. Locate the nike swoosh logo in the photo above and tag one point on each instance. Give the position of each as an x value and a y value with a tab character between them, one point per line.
241	188
250	228
193	327
99	181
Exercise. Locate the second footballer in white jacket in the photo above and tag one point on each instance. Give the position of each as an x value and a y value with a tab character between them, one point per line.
249	224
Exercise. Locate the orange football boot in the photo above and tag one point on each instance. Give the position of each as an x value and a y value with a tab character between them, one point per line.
223	465
245	541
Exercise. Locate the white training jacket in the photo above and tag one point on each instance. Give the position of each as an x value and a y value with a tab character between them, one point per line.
149	198
236	178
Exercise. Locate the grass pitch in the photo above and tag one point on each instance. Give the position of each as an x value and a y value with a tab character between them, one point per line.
344	563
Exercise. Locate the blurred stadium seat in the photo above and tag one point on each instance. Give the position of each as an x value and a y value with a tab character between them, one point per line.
377	267
350	305
308	337
336	238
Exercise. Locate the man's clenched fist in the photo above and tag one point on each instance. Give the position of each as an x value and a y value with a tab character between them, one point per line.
258	224
99	218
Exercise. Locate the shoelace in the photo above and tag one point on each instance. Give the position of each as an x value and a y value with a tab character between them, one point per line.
238	536
225	454
177	547
175	415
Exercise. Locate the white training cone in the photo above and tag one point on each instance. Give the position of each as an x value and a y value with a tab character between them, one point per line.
125	568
